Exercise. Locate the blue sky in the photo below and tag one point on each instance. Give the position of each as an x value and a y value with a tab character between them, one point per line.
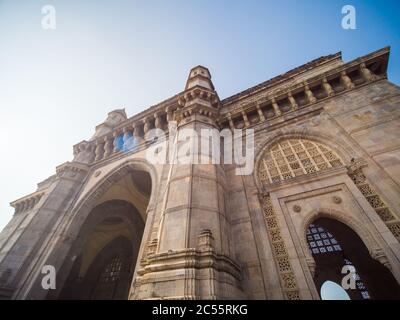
57	85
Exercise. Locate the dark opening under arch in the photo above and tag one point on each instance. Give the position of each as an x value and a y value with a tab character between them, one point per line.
334	245
106	257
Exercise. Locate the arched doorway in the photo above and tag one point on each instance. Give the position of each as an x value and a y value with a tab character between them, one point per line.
106	250
339	253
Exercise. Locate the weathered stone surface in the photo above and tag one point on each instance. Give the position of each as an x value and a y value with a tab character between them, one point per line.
208	232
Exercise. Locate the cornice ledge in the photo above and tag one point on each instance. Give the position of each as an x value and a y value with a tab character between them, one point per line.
189	258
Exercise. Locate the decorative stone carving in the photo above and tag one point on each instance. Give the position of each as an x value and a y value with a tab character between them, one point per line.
292	101
97	173
284	266
296	208
291	158
327	87
137	132
84	152
231	124
146	125
108	146
276	107
114	118
99	151
345	79
116	136
367	74
170	114
355	170
27	203
152	247
201	260
72	169
205	241
379	255
337	199
260	112
387	216
245	119
309	94
157	121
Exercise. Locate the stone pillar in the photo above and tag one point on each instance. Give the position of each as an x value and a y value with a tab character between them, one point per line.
108	145
115	142
231	124
310	96
138	139
84	152
292	101
327	87
276	107
24	279
193	259
260	113
99	151
366	73
170	114
245	119
346	81
157	121
127	138
146	125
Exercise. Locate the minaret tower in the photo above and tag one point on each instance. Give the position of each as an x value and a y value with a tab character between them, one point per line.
193	252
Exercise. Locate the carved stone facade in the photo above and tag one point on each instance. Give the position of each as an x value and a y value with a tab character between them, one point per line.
327	155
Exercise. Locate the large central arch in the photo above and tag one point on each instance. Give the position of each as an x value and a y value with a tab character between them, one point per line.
106	231
104	260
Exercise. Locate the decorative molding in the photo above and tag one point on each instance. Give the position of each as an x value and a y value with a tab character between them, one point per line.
71	169
391	220
322	80
27	203
296	208
282	260
337	199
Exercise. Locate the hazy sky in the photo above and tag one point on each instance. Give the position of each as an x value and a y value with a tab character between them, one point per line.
57	85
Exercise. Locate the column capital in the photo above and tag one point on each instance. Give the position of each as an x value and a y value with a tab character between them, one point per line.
71	169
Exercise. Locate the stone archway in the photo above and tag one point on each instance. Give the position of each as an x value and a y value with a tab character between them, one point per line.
104	260
117	208
333	246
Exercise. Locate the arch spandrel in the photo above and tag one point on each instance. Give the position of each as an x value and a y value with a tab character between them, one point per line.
101	179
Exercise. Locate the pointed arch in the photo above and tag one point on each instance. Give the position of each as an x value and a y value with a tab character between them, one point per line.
128	166
357	226
337	145
68	228
337	241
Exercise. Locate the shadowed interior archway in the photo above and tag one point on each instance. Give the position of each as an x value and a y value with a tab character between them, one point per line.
106	249
333	246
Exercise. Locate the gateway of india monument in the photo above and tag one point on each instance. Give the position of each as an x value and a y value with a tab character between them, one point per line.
323	194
